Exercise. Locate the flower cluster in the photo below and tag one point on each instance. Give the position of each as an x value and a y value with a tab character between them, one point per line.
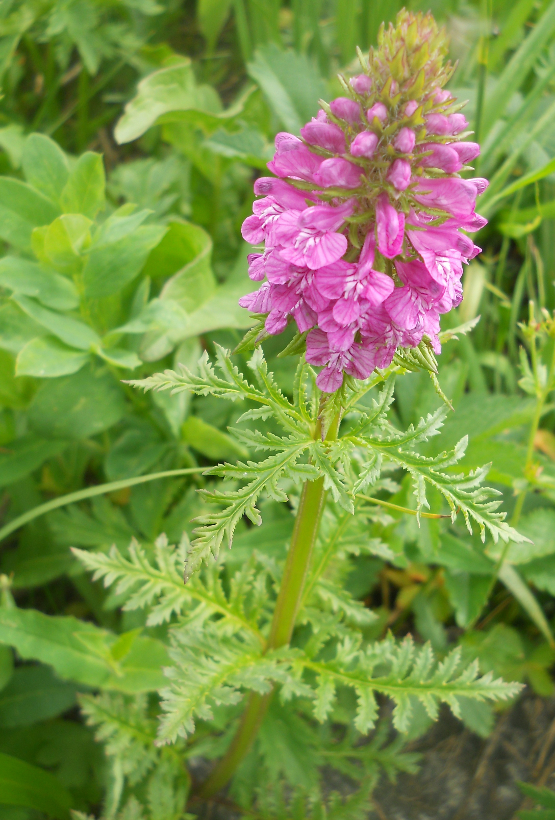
362	224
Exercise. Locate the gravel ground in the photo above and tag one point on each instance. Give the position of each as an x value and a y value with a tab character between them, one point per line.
462	776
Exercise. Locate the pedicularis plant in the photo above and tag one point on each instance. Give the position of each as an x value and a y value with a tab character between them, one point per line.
363	232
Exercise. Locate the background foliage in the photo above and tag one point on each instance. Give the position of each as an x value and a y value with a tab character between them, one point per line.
121	256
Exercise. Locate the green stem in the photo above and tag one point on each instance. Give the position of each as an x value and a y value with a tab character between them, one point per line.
285	613
89	492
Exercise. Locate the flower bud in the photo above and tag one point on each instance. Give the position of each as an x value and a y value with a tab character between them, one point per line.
345	109
326	135
361	84
404	141
443	156
378	110
338	173
399	174
364	144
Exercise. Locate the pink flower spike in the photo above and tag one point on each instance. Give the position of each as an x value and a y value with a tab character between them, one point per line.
399	174
326	135
443	156
361	84
467	151
364	144
378	110
338	173
405	140
390	228
345	109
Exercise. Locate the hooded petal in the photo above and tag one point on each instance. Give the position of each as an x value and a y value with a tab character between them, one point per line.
390	227
399	174
345	109
364	144
338	173
346	310
326	135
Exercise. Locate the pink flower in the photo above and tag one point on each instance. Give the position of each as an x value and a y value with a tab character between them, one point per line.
378	110
326	135
352	181
361	84
364	144
338	173
358	361
467	151
442	156
345	109
405	140
309	238
456	196
390	228
293	159
399	174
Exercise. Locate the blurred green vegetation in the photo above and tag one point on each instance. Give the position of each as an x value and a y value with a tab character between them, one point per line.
130	133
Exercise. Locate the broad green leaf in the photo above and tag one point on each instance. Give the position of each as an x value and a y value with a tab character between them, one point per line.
539	527
211	16
461	555
25	454
12	140
468	594
221	310
77	406
80	651
193	282
211	442
34	693
61	243
15	391
16	328
541	573
45	165
247	145
71	331
46	357
117	255
28	279
119	357
84	191
35	563
134	453
24	785
168	90
6	665
545	797
22	208
277	72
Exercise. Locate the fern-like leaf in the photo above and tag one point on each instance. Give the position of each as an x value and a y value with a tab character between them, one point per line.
263	476
411	673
